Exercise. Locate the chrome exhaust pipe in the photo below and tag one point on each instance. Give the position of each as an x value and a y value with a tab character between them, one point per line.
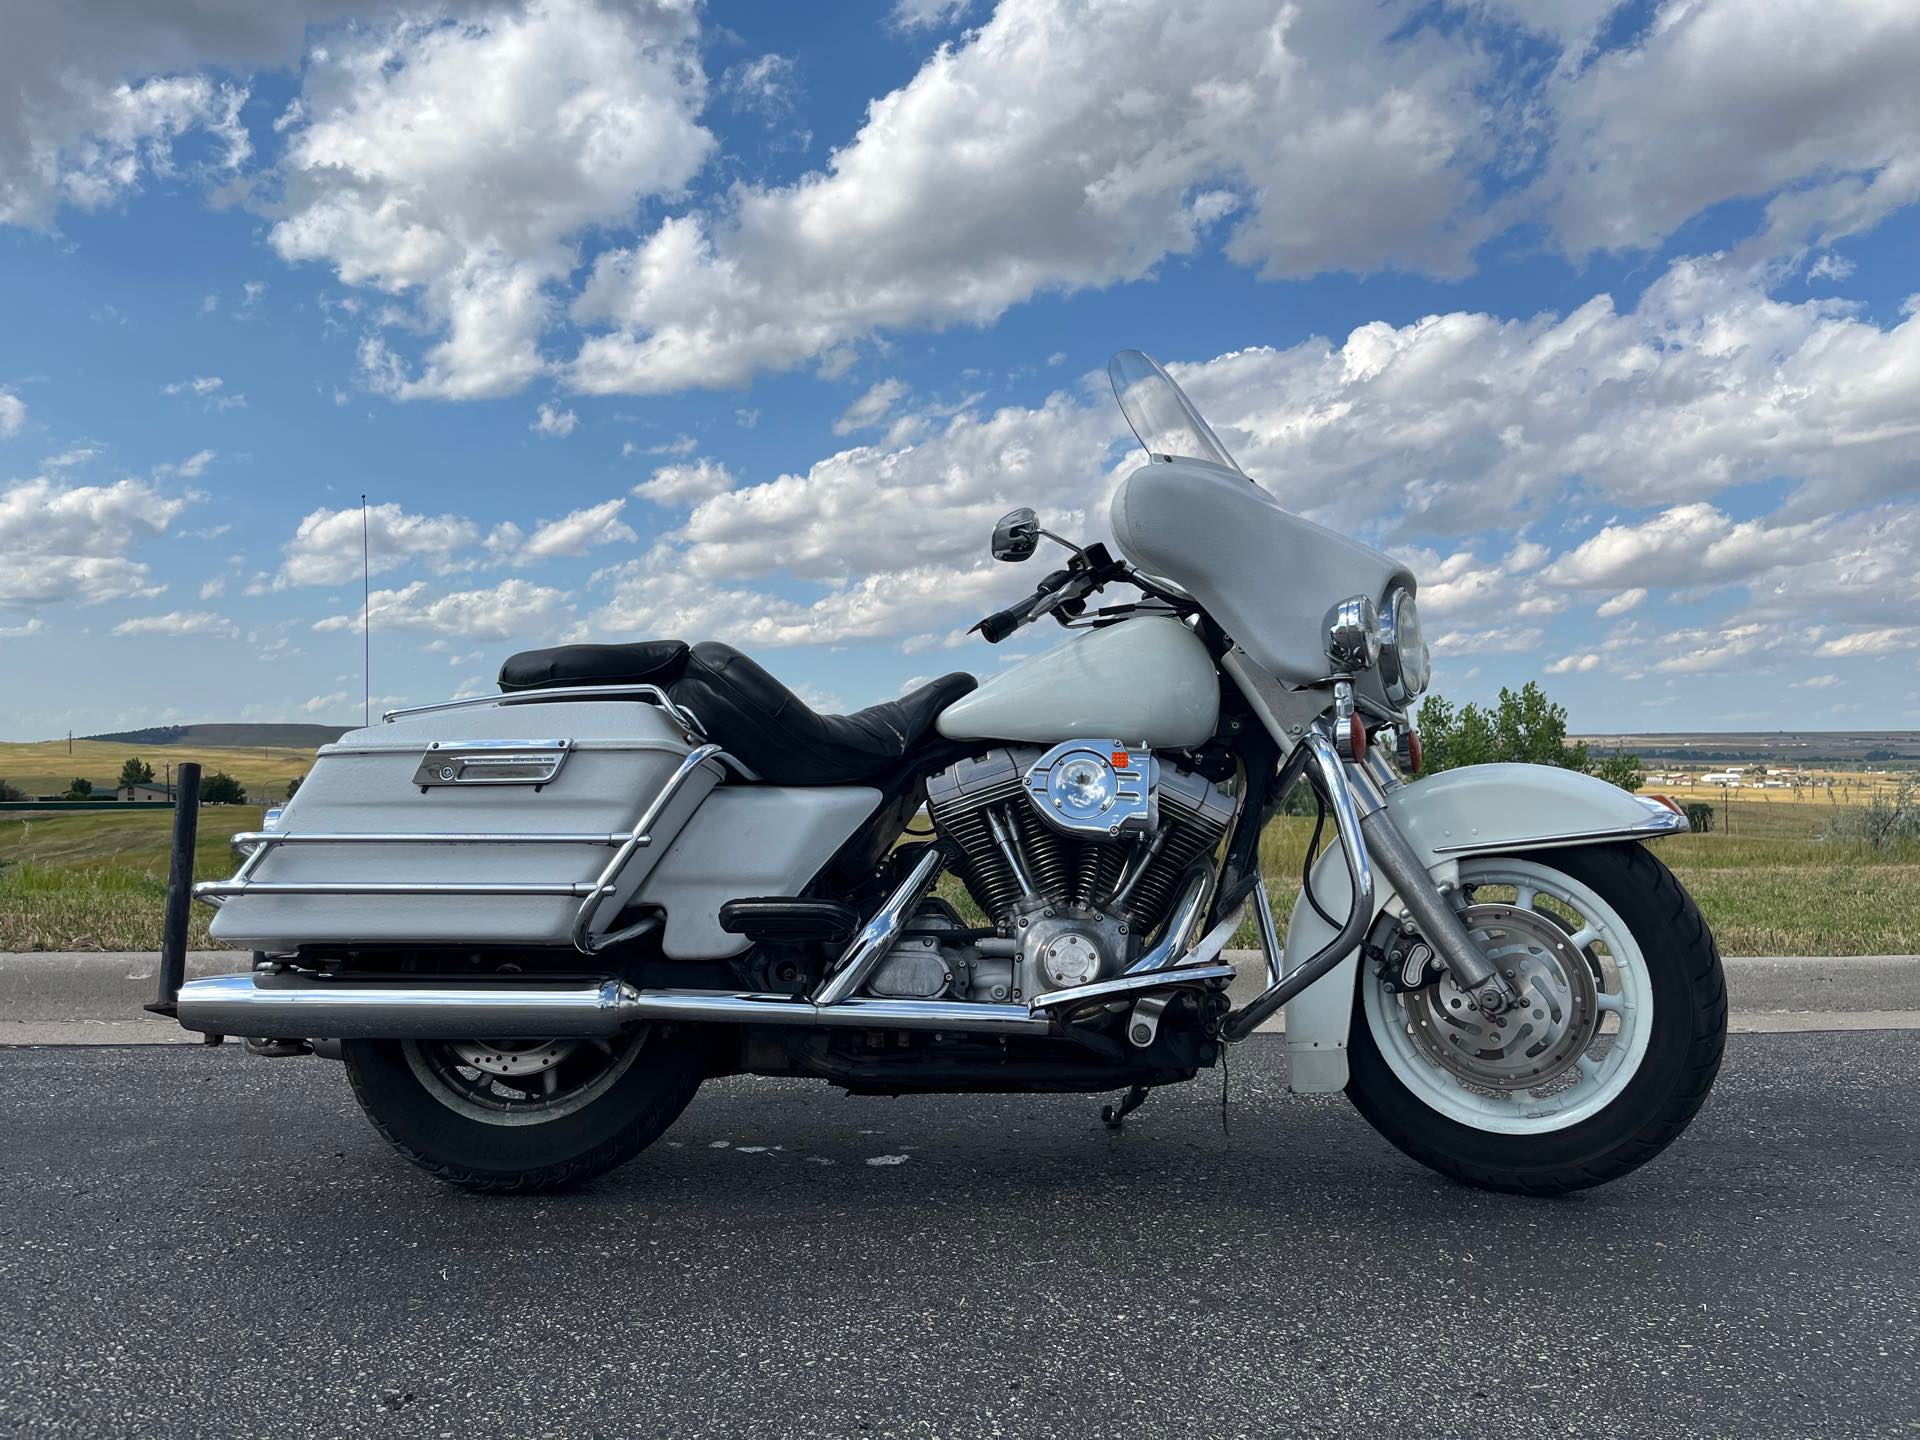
309	1008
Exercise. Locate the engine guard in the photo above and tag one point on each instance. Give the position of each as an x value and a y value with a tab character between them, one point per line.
1475	810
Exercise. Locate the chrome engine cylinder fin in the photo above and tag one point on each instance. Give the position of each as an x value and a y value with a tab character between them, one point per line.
958	799
1133	875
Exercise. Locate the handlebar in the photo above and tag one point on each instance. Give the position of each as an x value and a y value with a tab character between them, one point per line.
1063	594
1002	623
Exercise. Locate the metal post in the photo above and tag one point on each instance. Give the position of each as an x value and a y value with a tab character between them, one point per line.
173	934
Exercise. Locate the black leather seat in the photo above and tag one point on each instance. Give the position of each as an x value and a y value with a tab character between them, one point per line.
745	710
646	662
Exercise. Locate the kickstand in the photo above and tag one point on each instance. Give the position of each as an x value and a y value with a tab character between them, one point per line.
1112	1115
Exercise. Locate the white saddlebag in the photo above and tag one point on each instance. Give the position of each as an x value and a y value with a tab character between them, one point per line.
493	780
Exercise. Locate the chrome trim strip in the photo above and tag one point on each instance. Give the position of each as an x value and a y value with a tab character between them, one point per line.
866	949
650	693
1131	985
1651	828
229	889
246	839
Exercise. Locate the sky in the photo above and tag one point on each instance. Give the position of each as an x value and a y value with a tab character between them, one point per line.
639	318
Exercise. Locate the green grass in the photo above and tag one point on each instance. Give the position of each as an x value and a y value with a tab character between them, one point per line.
97	880
1769	886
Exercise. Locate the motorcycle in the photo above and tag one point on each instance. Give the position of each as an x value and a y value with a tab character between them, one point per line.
532	923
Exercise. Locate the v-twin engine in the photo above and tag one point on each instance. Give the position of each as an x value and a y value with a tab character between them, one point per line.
1075	854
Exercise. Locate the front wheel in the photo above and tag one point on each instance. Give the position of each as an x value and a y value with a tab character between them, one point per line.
1608	1057
524	1115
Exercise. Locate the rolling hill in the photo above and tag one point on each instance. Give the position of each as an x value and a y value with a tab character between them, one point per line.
223	737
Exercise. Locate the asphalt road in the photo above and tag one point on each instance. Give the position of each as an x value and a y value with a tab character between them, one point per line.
198	1243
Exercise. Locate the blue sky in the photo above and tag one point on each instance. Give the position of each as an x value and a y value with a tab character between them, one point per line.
745	321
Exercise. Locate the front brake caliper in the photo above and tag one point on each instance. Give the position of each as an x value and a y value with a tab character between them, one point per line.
1402	957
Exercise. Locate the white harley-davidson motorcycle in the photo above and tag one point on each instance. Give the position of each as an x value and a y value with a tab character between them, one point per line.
532	923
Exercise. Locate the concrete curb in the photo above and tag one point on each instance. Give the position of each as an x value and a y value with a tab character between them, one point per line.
94	998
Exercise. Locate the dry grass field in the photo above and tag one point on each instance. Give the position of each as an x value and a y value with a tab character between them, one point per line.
43	767
97	879
1767	881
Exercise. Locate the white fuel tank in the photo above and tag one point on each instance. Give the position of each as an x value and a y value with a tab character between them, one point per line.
1148	680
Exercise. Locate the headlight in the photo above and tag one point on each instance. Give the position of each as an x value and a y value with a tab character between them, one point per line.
1353	634
1404	663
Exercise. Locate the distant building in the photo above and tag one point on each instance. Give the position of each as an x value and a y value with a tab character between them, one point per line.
149	791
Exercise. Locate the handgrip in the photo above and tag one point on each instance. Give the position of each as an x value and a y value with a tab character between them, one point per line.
1002	623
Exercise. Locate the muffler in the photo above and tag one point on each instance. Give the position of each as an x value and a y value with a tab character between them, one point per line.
297	1007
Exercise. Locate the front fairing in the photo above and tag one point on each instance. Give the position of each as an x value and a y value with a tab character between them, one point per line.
1265	575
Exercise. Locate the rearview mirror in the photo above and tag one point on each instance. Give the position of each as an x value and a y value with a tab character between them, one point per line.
1017	535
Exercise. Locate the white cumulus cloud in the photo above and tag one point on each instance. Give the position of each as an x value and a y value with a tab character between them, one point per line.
1054	149
326	548
457	161
179	622
513	608
69	544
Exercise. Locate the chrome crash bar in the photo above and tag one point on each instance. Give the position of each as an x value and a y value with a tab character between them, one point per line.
1331	776
592	894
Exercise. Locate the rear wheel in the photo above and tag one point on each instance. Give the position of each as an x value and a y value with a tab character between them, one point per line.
524	1115
1608	1057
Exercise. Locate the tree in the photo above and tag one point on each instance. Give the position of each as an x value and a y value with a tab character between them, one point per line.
135	772
1525	727
293	785
80	789
221	788
10	791
1621	769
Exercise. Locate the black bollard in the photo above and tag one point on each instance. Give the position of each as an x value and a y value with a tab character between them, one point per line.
173	935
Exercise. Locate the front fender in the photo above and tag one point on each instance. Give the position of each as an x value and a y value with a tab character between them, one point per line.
1478	809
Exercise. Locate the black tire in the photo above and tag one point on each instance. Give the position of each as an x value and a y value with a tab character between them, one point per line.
606	1131
1687	1038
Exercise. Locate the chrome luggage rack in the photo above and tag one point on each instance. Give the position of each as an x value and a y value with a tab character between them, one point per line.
593	895
652	694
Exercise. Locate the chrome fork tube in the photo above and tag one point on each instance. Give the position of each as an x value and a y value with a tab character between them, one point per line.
1430	908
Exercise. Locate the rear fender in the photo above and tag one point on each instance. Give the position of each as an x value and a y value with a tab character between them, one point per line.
1475	810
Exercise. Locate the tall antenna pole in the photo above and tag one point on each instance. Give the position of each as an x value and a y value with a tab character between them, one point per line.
366	621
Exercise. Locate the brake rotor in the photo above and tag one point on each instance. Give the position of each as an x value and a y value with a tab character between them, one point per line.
512	1058
1537	1040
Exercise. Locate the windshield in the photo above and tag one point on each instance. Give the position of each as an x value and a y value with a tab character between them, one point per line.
1162	417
